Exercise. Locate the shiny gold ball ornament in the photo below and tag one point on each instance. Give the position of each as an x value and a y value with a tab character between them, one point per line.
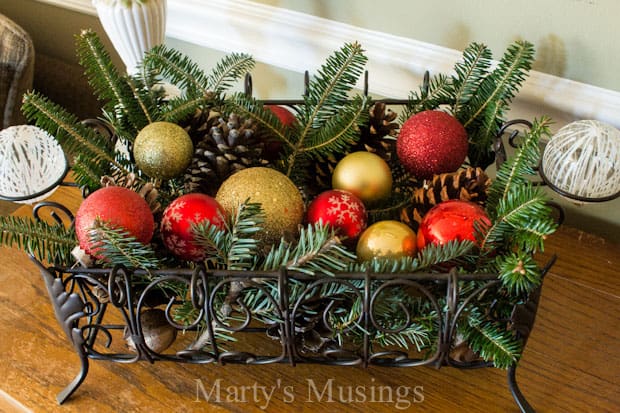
364	174
281	201
163	150
386	239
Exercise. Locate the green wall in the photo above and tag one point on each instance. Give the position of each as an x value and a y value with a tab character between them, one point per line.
576	39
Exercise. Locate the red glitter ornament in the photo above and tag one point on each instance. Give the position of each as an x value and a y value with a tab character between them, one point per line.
431	142
341	209
450	220
286	116
176	224
118	207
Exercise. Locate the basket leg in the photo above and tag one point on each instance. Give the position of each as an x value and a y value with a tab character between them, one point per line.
516	392
77	381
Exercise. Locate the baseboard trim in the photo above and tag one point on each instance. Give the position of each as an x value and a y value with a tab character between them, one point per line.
298	42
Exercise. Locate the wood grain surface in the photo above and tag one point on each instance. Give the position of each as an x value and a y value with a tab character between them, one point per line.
571	362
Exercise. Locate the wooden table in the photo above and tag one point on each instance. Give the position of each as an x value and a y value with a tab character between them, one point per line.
571	362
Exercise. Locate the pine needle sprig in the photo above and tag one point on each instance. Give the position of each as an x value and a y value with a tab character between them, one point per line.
504	82
519	272
113	89
523	210
230	69
491	340
248	107
439	92
119	247
515	170
318	251
469	74
179	69
232	248
431	255
74	137
51	243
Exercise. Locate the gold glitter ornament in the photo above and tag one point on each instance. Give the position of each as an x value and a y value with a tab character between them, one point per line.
364	174
281	201
163	150
386	239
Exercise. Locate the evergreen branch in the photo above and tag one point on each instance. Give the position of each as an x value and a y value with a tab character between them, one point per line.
440	91
522	204
87	172
179	69
469	73
110	87
341	131
233	248
118	247
51	243
431	255
230	69
415	334
75	138
514	171
492	341
502	84
328	90
318	251
244	222
519	272
180	108
249	108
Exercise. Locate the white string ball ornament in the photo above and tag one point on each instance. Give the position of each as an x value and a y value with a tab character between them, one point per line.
582	161
32	164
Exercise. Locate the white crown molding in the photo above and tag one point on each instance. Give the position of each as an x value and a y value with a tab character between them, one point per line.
299	42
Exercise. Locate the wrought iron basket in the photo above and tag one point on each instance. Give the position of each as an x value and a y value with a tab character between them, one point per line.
100	311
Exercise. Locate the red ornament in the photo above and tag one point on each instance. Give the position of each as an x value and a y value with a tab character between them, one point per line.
273	146
341	209
450	220
286	116
176	224
118	207
431	142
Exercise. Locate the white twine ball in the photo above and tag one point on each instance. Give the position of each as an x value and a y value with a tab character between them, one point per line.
31	161
582	159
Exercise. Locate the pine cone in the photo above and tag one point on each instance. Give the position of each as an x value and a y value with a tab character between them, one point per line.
378	136
469	184
221	148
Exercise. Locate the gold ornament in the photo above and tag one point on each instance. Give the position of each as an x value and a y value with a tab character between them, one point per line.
281	201
386	239
364	174
163	150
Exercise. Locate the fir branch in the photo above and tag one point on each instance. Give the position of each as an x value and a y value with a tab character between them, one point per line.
439	92
469	73
492	341
516	169
522	205
179	69
415	334
519	272
318	251
116	91
74	137
431	255
503	83
51	243
230	69
248	107
233	248
340	132
118	247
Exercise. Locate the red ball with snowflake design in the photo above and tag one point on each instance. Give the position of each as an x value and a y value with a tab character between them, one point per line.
341	209
177	221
